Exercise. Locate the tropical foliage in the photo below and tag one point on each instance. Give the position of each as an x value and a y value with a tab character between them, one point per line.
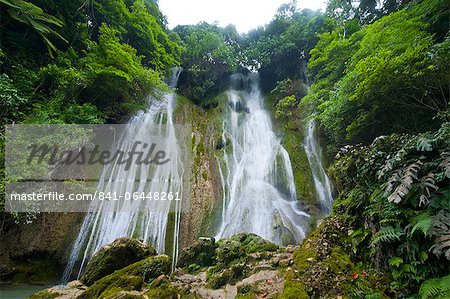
395	194
374	74
209	58
389	76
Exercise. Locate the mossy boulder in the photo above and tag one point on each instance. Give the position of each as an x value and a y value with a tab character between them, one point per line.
229	251
201	253
72	290
130	278
254	243
117	255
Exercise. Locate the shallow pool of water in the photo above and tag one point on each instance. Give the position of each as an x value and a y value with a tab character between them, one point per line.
19	292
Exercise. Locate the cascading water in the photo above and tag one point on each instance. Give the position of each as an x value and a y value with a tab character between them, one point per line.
259	192
320	177
145	220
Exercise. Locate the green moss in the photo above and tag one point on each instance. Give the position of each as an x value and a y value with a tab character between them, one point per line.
249	292
201	253
168	245
294	290
105	288
339	261
129	278
165	290
211	219
206	123
123	283
292	135
254	243
229	275
302	257
217	280
169	291
229	251
304	183
114	256
324	267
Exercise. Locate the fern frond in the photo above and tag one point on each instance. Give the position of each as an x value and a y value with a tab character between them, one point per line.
427	184
393	180
408	178
424	145
445	164
396	261
390	162
441	229
435	288
406	271
421	222
387	234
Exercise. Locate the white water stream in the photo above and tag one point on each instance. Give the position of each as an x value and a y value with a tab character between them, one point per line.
320	177
259	192
146	220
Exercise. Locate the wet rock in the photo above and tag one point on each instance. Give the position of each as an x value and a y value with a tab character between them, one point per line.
72	290
117	255
264	284
159	280
238	107
201	253
283	259
263	266
188	279
127	295
76	284
217	277
154	267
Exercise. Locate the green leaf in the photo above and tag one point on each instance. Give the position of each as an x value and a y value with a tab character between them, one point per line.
395	261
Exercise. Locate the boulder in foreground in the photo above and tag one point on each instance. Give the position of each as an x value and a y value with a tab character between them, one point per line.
117	255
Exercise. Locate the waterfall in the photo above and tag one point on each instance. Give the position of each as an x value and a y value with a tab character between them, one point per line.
320	177
259	193
146	220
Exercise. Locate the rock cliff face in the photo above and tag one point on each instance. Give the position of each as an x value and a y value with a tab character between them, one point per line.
201	218
36	253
